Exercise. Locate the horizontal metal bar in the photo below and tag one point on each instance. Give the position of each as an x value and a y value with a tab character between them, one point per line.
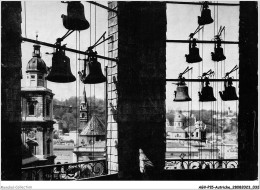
200	80
65	48
201	41
188	139
102	6
206	160
67	164
200	3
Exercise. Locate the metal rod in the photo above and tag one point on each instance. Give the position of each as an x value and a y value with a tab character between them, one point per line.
64	48
201	41
200	3
201	80
92	47
102	6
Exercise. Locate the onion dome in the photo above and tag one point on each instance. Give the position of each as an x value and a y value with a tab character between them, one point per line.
179	117
36	63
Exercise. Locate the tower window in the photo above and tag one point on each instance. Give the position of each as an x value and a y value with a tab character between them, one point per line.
48	105
31	108
48	146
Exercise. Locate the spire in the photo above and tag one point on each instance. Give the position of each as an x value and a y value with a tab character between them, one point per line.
85	101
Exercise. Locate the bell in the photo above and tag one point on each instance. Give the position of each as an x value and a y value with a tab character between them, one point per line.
60	71
93	72
193	56
206	95
205	17
218	54
76	18
229	93
181	94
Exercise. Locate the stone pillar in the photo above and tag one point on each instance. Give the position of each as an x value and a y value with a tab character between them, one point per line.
11	159
248	91
141	86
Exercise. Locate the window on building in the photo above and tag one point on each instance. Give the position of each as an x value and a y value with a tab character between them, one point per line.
48	107
209	113
32	80
31	108
32	148
48	146
40	80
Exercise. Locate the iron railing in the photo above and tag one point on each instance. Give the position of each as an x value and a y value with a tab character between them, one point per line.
70	171
200	163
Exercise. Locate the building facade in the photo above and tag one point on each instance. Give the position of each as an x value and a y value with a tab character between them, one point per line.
37	110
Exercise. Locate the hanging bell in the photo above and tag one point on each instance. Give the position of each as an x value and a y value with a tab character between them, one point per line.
205	17
76	18
181	93
193	56
206	94
92	73
218	54
229	93
60	70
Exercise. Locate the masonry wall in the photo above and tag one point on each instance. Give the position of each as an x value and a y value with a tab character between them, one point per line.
11	157
141	86
112	91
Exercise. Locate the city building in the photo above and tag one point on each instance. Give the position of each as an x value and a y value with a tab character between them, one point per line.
186	128
37	114
64	152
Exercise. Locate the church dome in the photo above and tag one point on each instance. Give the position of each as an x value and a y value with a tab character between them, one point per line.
179	117
36	63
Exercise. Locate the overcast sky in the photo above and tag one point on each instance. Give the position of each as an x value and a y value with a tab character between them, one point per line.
44	17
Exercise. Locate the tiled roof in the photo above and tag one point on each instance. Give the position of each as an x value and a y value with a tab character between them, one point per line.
175	129
94	127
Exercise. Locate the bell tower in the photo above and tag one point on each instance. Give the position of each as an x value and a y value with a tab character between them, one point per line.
84	111
37	111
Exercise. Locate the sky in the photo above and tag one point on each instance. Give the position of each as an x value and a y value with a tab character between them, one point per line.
44	18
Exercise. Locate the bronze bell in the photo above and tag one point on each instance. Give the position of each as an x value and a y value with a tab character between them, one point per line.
229	93
60	70
205	17
76	18
218	54
193	56
181	94
206	94
92	73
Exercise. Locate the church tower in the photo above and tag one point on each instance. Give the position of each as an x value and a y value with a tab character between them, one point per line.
84	112
37	111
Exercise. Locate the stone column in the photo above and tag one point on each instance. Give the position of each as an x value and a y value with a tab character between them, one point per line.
248	90
11	158
141	86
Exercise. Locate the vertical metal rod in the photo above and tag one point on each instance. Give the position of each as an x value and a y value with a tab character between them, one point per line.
106	118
